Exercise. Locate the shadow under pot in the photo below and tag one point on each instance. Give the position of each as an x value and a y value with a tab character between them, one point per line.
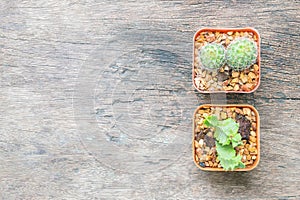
226	137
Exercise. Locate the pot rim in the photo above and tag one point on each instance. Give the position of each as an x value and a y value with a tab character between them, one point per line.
249	29
254	165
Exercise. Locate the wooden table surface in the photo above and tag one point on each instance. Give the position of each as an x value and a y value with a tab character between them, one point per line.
97	99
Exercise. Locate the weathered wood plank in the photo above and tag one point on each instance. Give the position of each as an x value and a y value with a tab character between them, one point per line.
97	99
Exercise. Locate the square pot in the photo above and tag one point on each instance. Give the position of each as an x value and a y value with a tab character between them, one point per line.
226	78
203	142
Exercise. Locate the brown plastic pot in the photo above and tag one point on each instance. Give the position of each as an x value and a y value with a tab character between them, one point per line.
248	167
226	30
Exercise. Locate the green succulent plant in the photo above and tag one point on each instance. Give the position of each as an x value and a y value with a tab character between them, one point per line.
227	138
241	54
212	56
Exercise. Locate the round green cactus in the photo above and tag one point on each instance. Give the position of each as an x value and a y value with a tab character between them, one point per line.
212	56
241	54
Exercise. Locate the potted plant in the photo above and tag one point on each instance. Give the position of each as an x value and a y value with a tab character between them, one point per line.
226	137
226	60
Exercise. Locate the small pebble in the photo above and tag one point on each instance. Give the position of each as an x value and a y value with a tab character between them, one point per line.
251	76
235	80
201	111
244	158
235	74
252	133
223	115
207	149
203	158
205	115
198	45
241	151
209	134
200	122
243	77
201	142
227	41
252	139
245	88
253	126
248	157
239	111
253	150
199	152
228	87
202	164
236	87
210	38
247	111
208	158
249	162
223	37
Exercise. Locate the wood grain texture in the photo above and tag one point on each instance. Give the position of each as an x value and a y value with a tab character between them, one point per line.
97	99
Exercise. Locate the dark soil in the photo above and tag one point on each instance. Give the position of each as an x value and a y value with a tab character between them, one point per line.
245	126
209	141
200	135
222	76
